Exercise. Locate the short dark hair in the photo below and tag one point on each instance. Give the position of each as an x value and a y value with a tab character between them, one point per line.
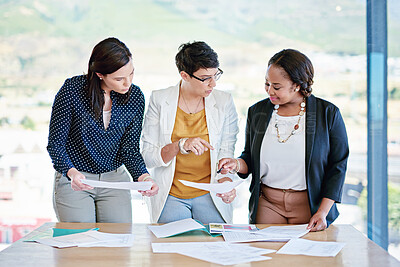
297	66
194	56
107	57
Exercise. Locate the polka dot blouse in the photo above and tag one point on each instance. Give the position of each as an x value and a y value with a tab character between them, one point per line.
78	140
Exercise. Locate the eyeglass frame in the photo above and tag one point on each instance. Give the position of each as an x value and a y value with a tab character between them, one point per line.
219	73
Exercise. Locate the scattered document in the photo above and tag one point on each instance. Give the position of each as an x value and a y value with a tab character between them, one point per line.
252	237
143	186
311	248
272	233
215	188
221	227
175	228
216	252
175	247
291	231
89	239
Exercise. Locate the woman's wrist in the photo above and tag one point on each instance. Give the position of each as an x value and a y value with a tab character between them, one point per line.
147	178
237	169
181	144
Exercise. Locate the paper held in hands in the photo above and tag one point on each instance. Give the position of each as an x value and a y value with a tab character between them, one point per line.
215	188
143	186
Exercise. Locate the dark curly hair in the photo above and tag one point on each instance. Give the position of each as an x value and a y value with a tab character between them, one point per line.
297	66
194	56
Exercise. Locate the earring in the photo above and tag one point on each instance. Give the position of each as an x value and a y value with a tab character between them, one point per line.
297	89
100	78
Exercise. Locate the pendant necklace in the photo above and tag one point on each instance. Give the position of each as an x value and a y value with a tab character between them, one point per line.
296	126
184	101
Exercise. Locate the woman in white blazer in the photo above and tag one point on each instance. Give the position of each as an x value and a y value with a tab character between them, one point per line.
187	129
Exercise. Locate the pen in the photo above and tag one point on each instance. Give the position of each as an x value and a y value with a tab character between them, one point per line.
220	170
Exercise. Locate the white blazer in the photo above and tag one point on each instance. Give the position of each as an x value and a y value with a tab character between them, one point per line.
222	124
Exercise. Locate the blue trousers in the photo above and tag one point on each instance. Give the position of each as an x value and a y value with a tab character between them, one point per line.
200	208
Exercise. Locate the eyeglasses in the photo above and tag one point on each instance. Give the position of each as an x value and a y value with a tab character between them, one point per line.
216	76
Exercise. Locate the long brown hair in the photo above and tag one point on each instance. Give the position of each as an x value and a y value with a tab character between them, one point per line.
107	57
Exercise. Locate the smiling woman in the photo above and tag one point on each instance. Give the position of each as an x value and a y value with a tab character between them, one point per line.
94	131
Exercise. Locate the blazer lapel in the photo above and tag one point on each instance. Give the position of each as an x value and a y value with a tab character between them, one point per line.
168	113
261	123
211	117
311	124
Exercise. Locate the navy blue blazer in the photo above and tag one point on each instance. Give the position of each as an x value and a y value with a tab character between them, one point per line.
327	151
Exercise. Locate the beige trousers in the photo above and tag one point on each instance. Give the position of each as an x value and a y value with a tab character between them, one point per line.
283	206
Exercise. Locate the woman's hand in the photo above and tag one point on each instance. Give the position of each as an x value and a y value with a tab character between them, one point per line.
317	222
227	197
154	188
76	178
197	145
227	165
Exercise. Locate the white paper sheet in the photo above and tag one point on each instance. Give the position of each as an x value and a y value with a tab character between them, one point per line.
215	188
291	231
216	252
119	185
175	228
300	246
175	247
252	237
89	239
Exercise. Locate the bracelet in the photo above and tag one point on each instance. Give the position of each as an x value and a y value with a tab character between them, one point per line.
237	167
181	143
147	177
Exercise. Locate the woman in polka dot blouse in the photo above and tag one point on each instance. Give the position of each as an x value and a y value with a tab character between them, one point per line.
187	129
95	129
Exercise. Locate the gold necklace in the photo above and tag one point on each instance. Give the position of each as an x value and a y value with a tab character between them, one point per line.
187	104
296	126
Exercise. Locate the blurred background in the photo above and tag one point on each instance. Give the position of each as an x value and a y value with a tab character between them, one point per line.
43	42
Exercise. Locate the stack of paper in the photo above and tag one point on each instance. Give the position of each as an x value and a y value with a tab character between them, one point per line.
89	239
216	252
222	227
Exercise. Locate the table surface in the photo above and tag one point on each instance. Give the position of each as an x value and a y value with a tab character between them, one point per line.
358	251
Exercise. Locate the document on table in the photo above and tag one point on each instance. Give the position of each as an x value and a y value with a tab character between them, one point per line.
291	231
216	252
252	237
222	227
89	239
215	188
311	248
143	186
175	228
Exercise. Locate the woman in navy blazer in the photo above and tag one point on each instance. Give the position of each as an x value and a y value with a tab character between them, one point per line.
326	147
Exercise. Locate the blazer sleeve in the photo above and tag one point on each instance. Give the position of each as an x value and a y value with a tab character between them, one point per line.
337	159
230	130
151	136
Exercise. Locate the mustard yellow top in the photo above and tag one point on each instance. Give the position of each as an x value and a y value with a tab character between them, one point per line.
189	166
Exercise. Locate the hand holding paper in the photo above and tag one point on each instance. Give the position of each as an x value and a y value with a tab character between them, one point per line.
143	186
